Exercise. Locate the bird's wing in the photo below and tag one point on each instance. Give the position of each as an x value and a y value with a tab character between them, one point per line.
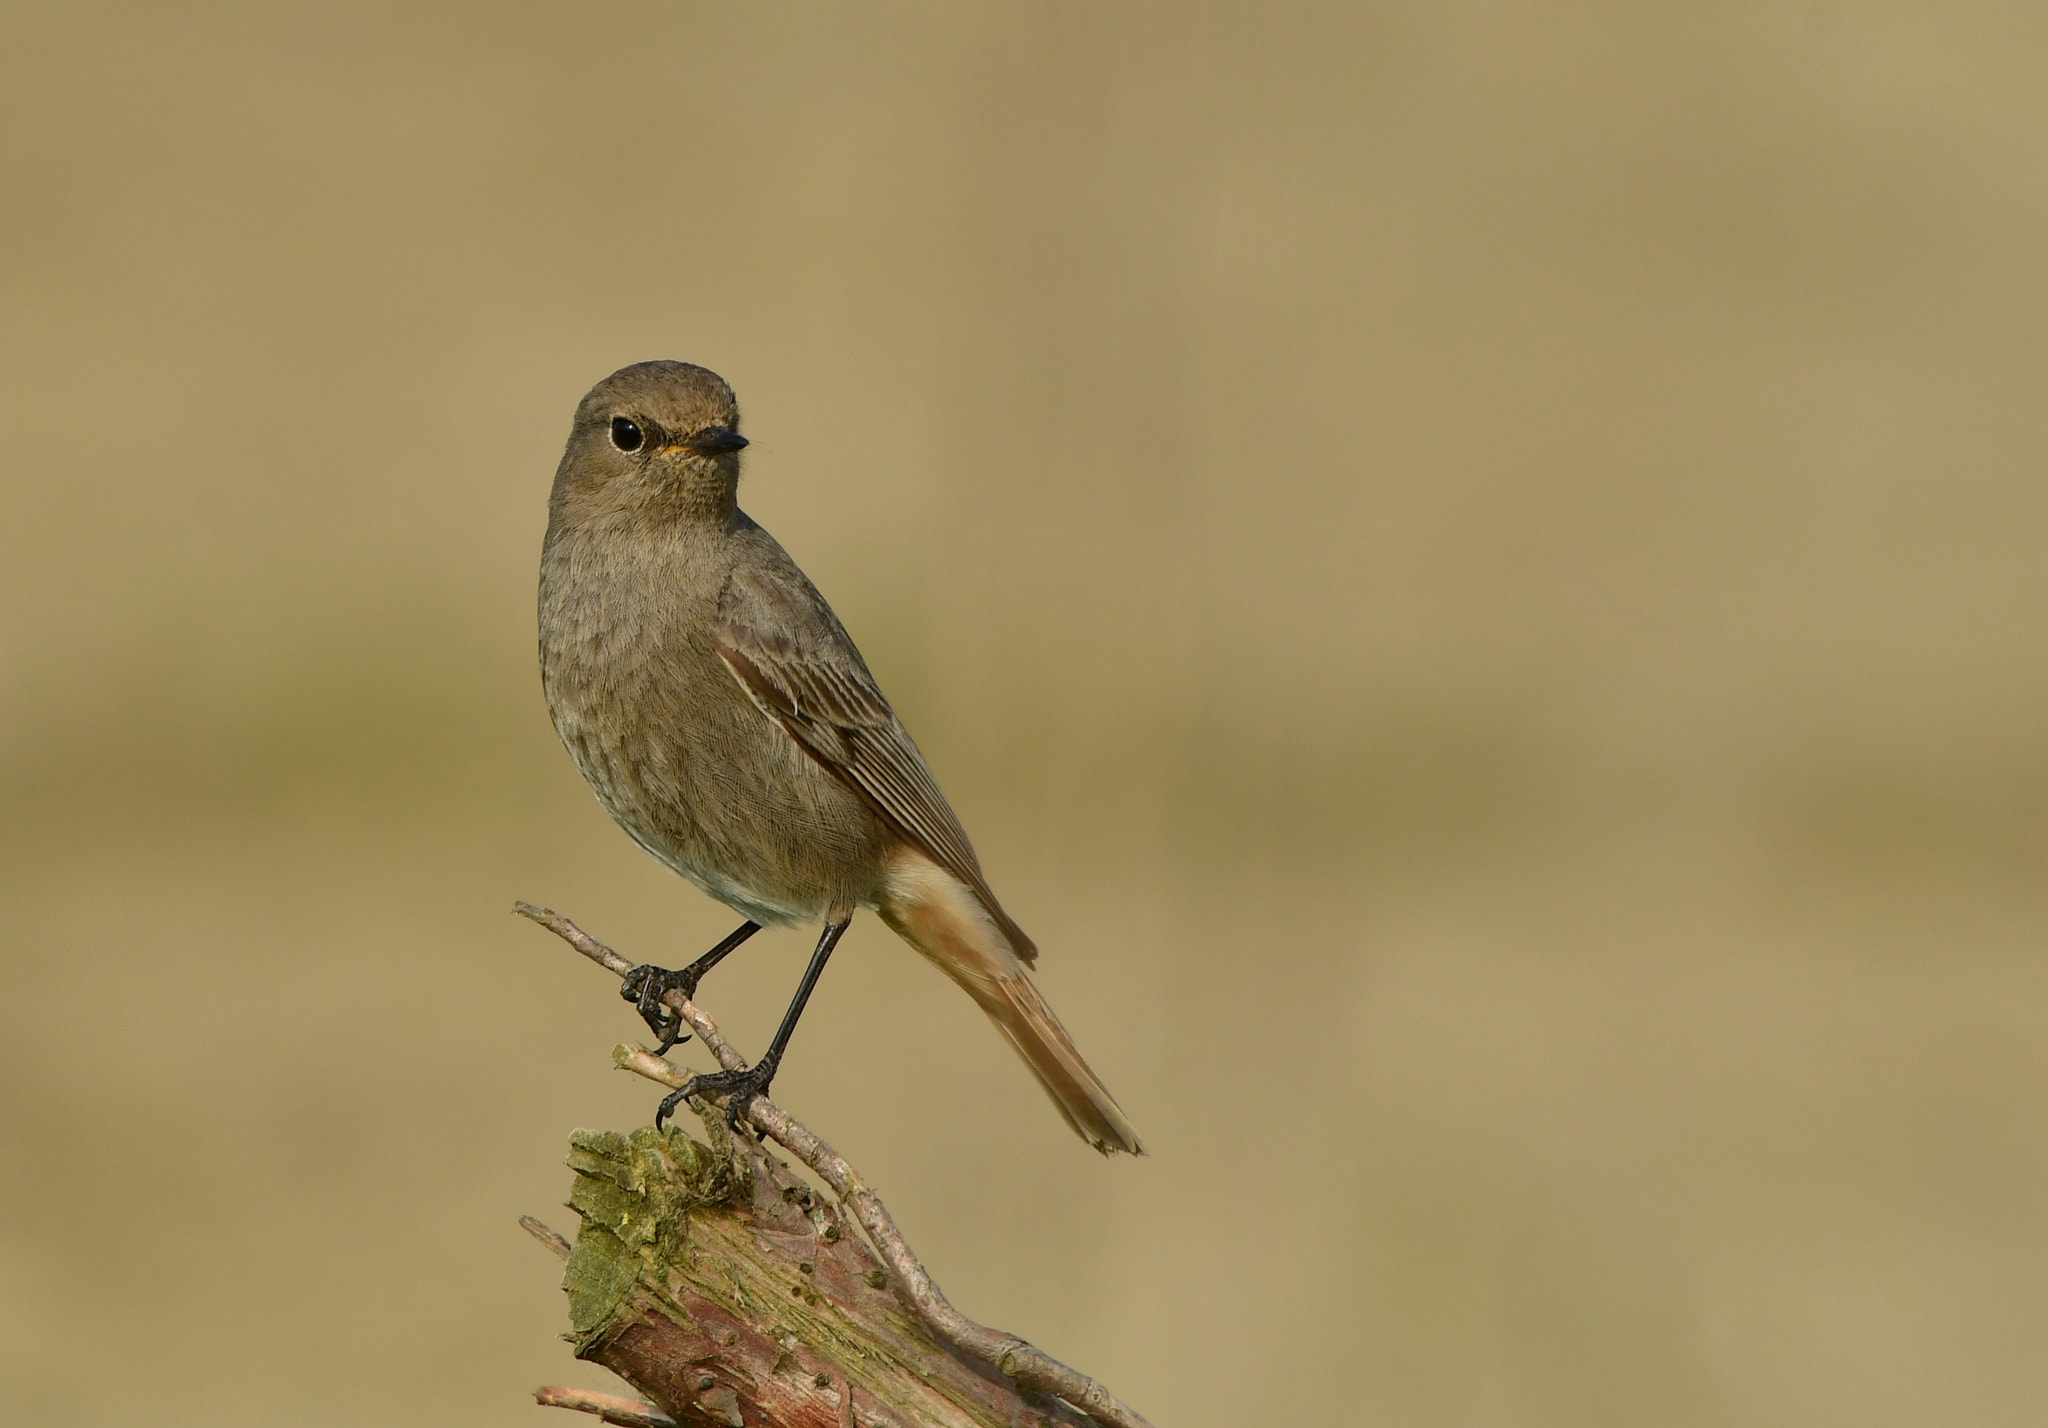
789	652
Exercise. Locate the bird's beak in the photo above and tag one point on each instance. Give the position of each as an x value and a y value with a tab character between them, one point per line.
712	441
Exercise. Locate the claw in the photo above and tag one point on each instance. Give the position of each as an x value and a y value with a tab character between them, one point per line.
740	1088
646	986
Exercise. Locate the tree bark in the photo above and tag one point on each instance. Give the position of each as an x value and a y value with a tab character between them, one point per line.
720	1284
689	1245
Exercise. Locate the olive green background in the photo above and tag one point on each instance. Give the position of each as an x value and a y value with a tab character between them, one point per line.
1476	570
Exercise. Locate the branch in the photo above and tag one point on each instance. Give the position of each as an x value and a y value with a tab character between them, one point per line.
626	1412
558	1246
1016	1359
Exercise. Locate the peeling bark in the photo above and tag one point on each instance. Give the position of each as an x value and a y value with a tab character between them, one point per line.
731	1293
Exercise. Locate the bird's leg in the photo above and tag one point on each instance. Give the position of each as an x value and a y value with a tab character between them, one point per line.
646	985
740	1087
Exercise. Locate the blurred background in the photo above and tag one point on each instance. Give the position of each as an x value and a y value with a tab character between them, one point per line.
1476	570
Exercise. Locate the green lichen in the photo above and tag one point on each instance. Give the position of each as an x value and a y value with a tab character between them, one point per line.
667	1218
635	1194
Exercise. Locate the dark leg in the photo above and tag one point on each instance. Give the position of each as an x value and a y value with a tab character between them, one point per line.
647	984
740	1087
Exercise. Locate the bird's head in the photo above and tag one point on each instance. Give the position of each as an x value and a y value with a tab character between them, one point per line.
655	436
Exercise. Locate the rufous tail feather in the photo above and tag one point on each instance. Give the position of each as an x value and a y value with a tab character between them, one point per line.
939	916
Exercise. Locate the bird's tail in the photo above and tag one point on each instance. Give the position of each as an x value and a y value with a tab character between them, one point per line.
939	916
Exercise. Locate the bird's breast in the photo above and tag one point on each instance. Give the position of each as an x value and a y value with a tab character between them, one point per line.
680	756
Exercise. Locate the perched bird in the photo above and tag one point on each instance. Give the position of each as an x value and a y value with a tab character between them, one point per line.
723	716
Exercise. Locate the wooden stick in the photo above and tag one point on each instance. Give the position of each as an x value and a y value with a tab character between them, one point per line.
626	1412
559	1246
1017	1359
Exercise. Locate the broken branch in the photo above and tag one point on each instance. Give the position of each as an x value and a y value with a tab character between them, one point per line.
1029	1368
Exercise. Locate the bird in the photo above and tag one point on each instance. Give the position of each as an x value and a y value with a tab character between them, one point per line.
725	719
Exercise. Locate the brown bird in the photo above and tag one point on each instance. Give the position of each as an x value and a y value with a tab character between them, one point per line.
723	716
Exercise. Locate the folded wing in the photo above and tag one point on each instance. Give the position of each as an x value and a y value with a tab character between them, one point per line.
787	649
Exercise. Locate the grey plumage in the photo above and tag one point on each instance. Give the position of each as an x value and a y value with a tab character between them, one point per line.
725	718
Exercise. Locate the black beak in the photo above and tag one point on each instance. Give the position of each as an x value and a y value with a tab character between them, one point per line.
714	441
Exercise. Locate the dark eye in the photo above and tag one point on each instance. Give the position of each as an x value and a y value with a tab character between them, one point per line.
626	434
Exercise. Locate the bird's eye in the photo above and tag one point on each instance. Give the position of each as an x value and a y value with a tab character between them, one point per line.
626	434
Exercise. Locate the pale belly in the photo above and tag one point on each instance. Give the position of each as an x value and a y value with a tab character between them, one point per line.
714	789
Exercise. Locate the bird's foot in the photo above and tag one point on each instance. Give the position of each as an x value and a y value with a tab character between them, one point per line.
738	1087
646	986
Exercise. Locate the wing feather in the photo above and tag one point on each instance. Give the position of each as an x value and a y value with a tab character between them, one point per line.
786	648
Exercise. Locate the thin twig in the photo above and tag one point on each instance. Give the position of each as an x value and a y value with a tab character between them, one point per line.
1016	1358
546	1236
626	1412
576	937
